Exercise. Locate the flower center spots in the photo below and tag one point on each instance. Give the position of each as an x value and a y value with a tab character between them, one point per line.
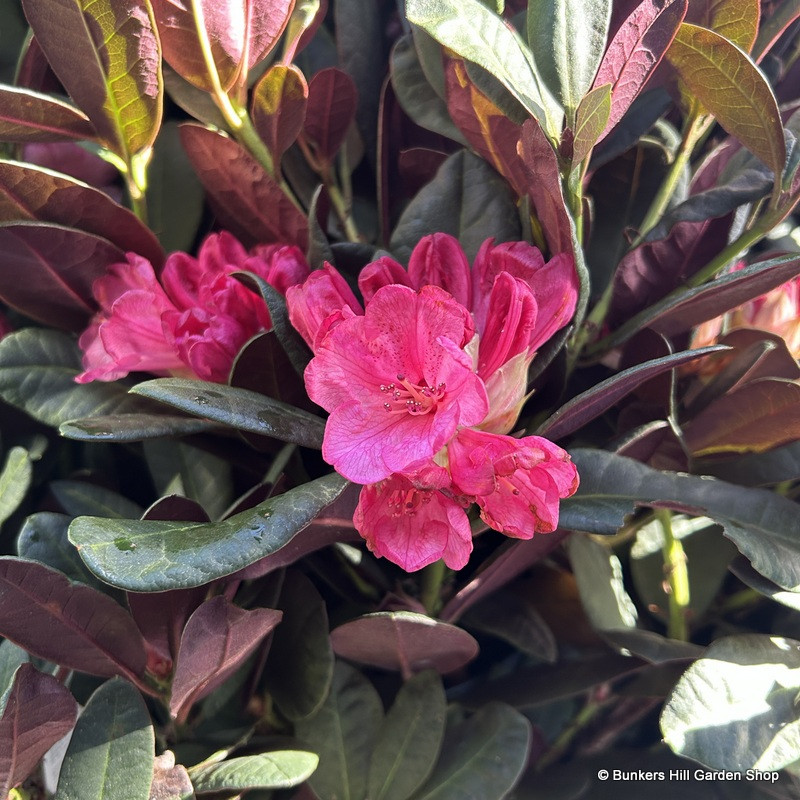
407	501
412	398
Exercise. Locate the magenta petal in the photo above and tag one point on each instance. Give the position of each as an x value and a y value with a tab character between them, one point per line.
556	292
383	272
439	260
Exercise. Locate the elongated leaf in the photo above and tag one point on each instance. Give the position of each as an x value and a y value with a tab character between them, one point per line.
11	658
590	121
65	622
332	103
747	718
773	26
111	753
38	712
472	31
133	427
279	108
78	497
736	20
482	757
218	637
247	201
280	769
107	55
15	479
237	408
593	402
569	39
28	192
635	51
28	116
151	556
343	733
760	469
733	89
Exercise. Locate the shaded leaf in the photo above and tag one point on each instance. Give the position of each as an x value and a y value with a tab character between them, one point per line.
741	568
405	641
78	497
760	469
111	753
107	55
15	479
217	639
133	427
734	708
280	769
591	119
38	712
651	646
28	116
332	103
279	108
773	25
11	658
60	265
67	623
148	556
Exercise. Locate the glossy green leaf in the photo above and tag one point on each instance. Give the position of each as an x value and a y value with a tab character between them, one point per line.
112	750
107	55
482	757
733	89
343	734
280	769
568	38
151	556
409	740
591	119
28	116
237	408
133	427
736	707
472	31
15	479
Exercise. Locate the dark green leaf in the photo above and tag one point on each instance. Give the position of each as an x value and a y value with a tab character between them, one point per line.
280	769
760	469
11	658
77	498
150	556
746	574
133	427
15	479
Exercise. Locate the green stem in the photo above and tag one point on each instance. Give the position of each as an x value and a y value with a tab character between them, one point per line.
677	576
567	736
340	206
432	579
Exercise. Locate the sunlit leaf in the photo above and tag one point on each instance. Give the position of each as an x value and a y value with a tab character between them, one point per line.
279	107
28	116
15	479
591	119
280	769
736	20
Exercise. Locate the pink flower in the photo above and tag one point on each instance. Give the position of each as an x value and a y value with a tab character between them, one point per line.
193	321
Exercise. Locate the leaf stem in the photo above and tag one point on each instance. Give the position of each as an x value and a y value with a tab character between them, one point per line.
430	592
677	577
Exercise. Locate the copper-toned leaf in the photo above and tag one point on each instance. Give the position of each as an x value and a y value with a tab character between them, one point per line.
107	56
218	637
247	201
736	20
279	107
27	116
332	103
48	271
591	119
30	192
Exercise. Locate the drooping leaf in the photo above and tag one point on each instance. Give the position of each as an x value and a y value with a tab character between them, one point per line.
279	108
343	734
409	740
405	641
635	51
473	32
280	769
111	753
248	202
300	666
28	116
733	89
15	478
108	57
332	103
60	264
591	119
237	408
66	622
568	39
735	708
150	556
218	637
37	713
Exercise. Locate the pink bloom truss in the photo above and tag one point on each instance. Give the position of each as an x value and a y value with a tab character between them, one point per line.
191	321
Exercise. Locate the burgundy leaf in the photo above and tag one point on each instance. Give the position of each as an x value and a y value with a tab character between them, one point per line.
247	201
50	270
635	51
33	71
177	507
774	25
279	108
404	641
67	623
27	116
332	103
39	711
218	637
29	192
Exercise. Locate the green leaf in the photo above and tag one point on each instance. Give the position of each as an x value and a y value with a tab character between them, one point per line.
111	753
37	374
133	427
11	657
77	497
152	556
569	39
591	119
14	481
409	740
731	87
735	708
280	769
472	31
107	55
482	757
343	734
237	408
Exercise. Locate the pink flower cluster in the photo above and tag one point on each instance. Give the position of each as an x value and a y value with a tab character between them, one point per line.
191	320
425	382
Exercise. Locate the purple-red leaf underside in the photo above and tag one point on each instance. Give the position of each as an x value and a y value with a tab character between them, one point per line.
332	103
27	116
279	108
